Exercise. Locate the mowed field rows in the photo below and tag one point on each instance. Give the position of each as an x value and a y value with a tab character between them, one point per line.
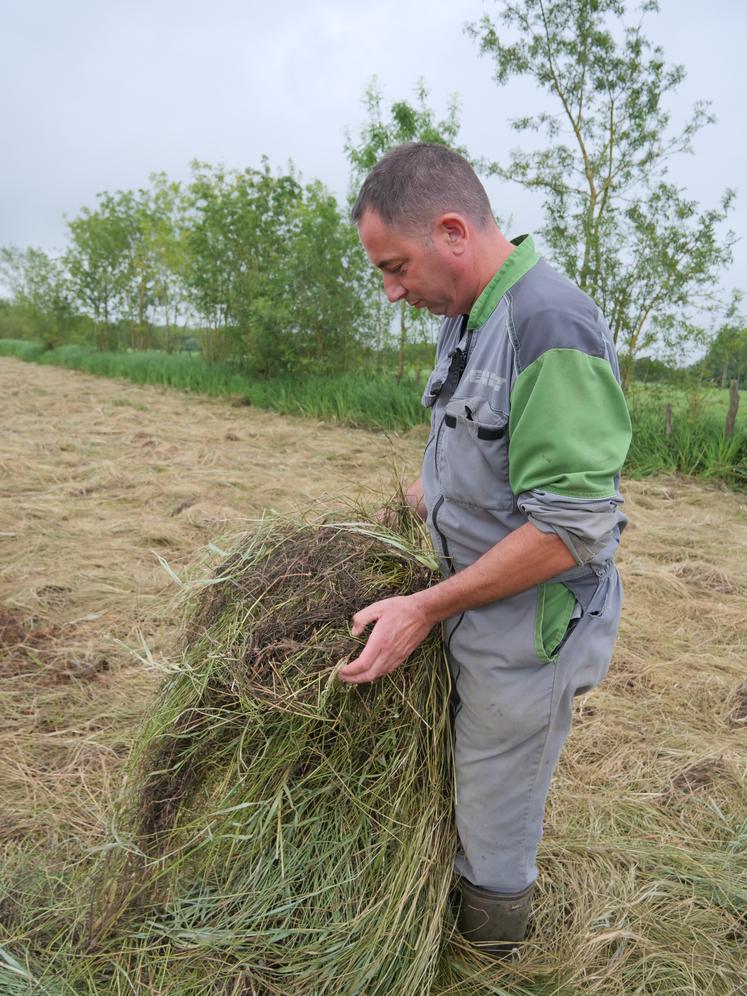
99	480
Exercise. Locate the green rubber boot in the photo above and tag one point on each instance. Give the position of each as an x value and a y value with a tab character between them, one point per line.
493	921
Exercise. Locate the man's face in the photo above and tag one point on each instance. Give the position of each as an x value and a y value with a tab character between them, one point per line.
415	269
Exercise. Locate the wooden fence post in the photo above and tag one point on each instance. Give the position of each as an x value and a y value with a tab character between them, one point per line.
731	415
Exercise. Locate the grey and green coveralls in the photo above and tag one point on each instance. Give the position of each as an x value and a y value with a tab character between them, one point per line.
534	429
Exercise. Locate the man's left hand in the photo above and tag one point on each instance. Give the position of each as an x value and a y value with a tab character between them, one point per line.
401	626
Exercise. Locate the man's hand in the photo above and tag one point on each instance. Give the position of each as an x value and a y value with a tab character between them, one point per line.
519	561
413	497
401	626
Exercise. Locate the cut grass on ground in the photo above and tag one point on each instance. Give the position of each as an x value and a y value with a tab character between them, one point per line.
642	886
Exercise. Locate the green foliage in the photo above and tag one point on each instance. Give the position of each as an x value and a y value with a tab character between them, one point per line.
22	349
615	223
42	305
234	248
726	358
650	369
406	123
15	323
273	271
97	261
125	262
696	446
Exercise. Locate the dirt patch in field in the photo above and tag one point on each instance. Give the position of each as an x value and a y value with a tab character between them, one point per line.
12	632
739	707
30	649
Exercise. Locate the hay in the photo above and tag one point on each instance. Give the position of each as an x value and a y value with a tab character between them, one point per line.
282	826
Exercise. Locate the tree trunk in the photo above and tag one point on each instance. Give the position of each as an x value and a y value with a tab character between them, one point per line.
626	370
668	421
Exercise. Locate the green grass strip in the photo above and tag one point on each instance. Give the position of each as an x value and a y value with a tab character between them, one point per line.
358	399
362	399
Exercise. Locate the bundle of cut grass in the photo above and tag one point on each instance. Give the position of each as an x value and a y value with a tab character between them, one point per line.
287	833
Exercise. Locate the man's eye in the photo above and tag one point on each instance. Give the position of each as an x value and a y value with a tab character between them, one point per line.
396	269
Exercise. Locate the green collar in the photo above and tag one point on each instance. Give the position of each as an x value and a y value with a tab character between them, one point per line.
521	260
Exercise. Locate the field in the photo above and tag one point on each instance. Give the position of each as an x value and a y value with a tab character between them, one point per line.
373	399
642	886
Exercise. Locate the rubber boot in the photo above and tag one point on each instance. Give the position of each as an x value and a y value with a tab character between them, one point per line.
493	921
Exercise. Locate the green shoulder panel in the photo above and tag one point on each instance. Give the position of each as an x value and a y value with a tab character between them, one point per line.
569	427
521	261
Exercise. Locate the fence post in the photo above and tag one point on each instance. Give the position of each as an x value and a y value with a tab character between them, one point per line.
668	421
731	415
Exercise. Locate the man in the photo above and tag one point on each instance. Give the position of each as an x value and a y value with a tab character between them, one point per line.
529	430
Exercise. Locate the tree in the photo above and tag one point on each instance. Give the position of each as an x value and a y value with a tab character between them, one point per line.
40	294
98	261
726	358
273	271
237	250
406	123
615	223
168	231
325	270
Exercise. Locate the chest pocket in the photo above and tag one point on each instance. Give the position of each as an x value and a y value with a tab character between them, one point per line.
472	454
435	383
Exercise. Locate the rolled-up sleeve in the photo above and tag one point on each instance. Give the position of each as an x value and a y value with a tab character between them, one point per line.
569	433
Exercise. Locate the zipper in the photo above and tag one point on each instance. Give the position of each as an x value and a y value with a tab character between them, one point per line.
444	542
451	635
440	501
437	440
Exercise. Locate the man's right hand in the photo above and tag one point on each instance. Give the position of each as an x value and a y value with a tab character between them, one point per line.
413	496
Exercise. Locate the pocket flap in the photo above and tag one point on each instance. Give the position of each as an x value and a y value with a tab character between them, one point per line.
435	383
476	415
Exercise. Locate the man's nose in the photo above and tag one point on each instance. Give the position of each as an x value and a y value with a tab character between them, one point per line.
393	288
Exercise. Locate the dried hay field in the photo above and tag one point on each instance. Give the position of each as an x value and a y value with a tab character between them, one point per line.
643	884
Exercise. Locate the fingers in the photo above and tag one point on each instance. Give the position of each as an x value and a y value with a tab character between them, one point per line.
386	516
371	663
400	627
360	679
364	669
362	619
354	670
365	661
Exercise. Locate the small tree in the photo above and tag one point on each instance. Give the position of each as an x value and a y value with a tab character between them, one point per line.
324	272
98	261
237	250
405	123
168	232
726	359
615	223
41	294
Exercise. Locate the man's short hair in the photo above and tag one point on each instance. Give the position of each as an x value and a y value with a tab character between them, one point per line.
415	183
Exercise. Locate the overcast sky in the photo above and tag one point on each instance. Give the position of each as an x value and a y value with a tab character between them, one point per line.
97	95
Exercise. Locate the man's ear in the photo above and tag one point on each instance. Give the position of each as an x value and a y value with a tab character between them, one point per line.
454	231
